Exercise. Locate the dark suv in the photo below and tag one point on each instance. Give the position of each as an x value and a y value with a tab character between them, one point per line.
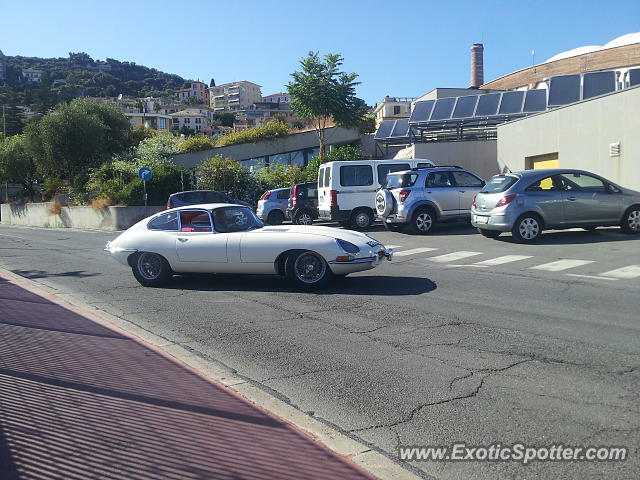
197	197
303	203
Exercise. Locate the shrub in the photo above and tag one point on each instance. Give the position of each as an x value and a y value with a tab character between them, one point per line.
102	202
344	153
196	143
281	176
56	208
270	131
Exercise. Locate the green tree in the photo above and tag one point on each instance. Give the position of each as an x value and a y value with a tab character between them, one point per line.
197	143
226	119
343	153
79	136
17	163
321	93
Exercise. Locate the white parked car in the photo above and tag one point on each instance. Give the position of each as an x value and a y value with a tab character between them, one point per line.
225	238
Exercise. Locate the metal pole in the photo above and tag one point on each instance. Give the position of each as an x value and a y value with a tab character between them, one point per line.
144	184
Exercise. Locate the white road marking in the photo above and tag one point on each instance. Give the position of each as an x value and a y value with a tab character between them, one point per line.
413	251
452	257
501	260
630	271
559	265
589	276
393	246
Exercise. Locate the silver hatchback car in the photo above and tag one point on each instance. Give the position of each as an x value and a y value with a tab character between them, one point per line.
525	203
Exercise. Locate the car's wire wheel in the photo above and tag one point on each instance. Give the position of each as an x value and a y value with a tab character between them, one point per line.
150	266
309	267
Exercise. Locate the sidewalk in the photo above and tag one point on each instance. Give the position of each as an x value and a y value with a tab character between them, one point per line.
81	401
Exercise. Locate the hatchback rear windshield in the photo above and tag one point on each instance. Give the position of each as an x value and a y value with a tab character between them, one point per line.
499	184
400	180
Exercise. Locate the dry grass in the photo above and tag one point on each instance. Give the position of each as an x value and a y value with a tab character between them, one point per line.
102	202
56	208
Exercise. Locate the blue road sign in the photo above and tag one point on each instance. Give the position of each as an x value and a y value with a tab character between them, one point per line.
145	173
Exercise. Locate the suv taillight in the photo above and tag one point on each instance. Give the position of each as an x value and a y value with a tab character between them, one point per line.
473	204
294	196
404	194
266	195
333	198
506	200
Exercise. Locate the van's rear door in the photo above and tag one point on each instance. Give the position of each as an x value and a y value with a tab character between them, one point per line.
324	189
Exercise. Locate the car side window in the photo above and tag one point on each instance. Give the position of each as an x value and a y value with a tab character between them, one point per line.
438	180
579	182
545	184
356	175
195	221
465	179
283	194
167	221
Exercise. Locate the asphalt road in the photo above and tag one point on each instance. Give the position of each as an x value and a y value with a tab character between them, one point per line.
465	340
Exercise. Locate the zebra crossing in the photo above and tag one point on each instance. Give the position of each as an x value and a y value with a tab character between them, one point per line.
464	258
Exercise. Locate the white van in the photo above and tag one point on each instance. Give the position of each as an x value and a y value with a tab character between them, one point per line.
347	190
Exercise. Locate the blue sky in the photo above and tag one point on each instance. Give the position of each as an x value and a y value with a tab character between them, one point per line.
402	48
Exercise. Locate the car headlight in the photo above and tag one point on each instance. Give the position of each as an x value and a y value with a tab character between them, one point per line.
347	246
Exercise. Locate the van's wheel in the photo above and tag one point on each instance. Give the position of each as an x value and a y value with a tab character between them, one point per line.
423	221
631	220
489	233
527	228
151	269
302	217
361	219
275	217
307	270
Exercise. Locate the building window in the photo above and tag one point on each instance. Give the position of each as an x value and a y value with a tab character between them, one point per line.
396	109
162	123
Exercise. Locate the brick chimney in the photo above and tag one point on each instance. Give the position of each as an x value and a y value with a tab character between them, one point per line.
477	66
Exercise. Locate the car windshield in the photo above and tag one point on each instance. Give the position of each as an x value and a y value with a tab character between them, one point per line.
399	180
235	219
499	184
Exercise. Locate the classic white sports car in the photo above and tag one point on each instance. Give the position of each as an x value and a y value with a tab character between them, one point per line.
225	238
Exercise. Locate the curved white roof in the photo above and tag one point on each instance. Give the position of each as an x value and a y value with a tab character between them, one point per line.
627	39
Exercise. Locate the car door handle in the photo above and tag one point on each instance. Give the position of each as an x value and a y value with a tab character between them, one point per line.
182	239
572	199
462	191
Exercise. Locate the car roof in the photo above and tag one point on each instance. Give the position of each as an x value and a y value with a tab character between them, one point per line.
430	170
548	172
204	206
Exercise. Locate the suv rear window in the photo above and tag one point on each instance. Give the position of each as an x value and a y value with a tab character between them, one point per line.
400	180
356	175
283	194
499	184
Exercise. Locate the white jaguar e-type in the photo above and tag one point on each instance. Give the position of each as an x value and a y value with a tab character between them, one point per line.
224	238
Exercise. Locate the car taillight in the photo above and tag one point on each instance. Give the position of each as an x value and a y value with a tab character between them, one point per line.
266	195
506	200
333	198
404	194
473	204
294	196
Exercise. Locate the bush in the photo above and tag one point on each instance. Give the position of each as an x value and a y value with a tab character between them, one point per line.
197	143
344	153
281	176
270	131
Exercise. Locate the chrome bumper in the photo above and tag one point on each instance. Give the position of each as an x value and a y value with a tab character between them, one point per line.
109	249
388	254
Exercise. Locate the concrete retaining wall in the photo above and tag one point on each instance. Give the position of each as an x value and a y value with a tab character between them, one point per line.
39	215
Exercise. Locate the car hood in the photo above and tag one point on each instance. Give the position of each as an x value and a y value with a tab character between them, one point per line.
348	235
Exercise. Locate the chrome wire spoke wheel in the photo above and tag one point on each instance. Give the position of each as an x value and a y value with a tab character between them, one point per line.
149	266
633	219
309	267
424	222
529	228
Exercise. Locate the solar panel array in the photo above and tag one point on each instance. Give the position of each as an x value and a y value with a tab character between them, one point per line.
490	109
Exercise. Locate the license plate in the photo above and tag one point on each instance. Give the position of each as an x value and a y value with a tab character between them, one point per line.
482	219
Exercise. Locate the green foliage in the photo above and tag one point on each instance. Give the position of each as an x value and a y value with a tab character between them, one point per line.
270	131
197	143
226	119
367	124
79	75
344	153
17	163
321	92
78	136
281	176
